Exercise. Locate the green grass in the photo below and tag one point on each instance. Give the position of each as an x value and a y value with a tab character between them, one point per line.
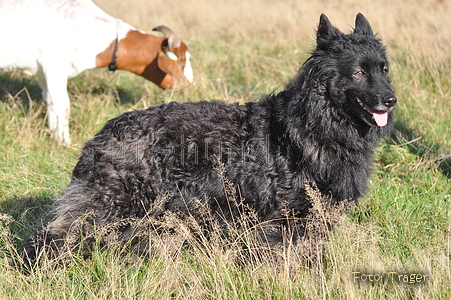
240	51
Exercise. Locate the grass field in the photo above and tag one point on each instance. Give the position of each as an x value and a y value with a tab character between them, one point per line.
240	51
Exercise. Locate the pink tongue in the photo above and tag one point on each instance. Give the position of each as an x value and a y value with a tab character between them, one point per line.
381	118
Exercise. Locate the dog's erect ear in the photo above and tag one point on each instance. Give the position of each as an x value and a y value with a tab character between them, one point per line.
362	26
325	30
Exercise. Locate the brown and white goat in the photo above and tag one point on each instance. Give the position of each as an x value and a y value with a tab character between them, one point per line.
59	39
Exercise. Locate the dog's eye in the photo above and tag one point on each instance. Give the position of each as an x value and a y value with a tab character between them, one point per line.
385	71
359	73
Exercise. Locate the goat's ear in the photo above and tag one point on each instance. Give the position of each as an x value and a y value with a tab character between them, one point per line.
166	64
362	26
172	56
326	31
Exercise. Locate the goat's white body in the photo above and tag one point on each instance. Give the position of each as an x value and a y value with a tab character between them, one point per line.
56	40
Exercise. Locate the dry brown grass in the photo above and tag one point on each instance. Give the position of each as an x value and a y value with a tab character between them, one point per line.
421	26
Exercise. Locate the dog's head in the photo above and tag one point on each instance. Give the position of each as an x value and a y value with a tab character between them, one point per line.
357	68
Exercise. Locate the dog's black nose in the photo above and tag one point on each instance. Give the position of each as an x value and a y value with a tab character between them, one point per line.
390	101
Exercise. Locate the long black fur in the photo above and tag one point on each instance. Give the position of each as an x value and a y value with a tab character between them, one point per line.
313	132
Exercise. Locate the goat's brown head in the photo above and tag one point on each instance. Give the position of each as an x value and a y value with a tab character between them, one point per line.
163	60
173	59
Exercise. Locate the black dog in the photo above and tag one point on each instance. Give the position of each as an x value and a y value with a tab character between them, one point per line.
321	130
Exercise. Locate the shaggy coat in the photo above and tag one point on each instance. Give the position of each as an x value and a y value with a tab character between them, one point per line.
320	130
